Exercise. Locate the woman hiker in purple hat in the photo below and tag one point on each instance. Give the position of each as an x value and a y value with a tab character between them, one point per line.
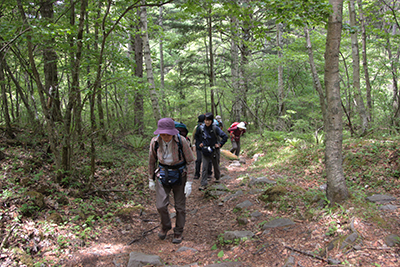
174	172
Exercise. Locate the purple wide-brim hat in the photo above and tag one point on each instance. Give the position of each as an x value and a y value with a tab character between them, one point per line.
166	126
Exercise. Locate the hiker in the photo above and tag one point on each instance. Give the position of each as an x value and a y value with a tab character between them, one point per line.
199	158
220	124
236	131
210	147
173	173
183	130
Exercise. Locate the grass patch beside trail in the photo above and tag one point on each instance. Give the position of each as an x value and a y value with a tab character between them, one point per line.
371	166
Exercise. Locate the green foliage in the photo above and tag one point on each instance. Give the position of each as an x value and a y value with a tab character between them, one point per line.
136	141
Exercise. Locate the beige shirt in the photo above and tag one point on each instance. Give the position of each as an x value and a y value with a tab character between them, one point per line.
173	158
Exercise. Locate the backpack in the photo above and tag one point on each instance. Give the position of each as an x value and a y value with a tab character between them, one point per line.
234	124
183	130
215	122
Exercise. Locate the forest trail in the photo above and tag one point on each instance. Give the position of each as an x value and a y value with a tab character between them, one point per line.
207	220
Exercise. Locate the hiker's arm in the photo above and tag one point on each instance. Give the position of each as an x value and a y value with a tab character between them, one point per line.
223	136
194	136
152	159
198	136
189	160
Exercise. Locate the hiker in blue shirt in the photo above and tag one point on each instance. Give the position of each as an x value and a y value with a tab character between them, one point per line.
210	146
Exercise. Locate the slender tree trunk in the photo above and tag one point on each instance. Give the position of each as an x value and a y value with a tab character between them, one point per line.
365	61
6	113
73	96
100	112
137	44
356	71
149	68
245	53
394	73
348	106
235	69
162	82
20	92
314	73
336	190
281	105
50	65
50	124
211	53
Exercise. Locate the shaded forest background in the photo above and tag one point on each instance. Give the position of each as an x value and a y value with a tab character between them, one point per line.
79	73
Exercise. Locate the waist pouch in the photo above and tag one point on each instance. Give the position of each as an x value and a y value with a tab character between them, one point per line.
207	150
171	175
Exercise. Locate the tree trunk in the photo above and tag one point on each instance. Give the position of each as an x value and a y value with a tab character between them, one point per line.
235	69
6	113
50	65
20	92
245	53
280	125
73	96
336	190
394	60
314	73
365	62
137	44
149	68
211	58
50	124
356	70
162	83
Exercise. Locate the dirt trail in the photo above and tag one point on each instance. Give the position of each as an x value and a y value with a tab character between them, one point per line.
209	218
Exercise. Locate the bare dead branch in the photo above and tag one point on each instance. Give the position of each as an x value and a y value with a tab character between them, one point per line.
145	233
7	236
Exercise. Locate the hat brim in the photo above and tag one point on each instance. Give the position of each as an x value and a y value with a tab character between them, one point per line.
167	131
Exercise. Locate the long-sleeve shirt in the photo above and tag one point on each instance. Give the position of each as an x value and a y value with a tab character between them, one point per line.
236	133
208	137
174	149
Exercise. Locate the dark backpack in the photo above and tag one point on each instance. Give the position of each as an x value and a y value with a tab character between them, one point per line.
183	130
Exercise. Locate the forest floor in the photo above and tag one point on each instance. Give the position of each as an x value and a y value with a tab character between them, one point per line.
207	220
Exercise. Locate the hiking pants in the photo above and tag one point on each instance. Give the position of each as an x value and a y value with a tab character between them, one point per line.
162	202
199	158
235	147
214	158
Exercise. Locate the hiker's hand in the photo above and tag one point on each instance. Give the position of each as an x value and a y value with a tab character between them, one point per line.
217	145
152	185
188	188
201	145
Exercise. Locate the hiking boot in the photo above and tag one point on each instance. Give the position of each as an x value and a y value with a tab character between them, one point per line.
209	178
177	239
217	181
202	188
162	234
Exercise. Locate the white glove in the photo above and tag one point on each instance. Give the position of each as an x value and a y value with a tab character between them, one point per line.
188	188
152	185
